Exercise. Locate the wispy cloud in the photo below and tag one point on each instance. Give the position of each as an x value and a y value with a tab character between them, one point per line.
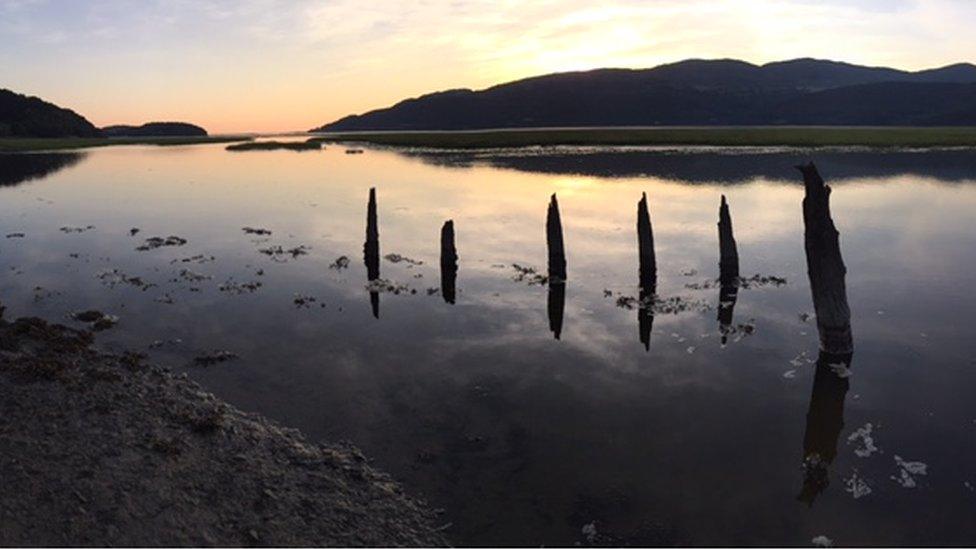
293	64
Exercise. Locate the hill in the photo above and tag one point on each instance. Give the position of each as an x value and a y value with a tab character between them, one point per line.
694	92
156	129
26	116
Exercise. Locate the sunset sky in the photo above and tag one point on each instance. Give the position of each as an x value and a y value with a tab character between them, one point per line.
266	65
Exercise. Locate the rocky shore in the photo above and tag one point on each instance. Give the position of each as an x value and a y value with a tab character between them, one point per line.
106	449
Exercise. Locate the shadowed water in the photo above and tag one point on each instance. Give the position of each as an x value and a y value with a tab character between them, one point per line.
672	406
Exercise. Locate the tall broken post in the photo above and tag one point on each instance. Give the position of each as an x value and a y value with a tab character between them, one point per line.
645	245
449	265
825	266
371	251
556	296
554	242
647	273
826	270
728	266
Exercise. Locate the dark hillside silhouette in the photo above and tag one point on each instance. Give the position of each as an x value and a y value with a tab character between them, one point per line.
695	92
26	116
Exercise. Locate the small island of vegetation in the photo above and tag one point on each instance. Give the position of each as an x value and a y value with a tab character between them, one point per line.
309	145
32	124
156	129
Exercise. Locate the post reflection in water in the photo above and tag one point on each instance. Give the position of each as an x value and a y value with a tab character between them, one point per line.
556	298
449	259
647	272
825	267
371	252
728	265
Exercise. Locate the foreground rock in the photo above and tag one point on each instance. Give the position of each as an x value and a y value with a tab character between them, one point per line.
102	449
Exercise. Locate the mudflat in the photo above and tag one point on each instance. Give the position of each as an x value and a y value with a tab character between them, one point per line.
105	449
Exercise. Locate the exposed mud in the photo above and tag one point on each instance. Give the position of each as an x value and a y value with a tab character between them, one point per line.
103	449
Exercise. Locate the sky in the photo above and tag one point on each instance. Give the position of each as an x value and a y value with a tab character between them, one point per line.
277	65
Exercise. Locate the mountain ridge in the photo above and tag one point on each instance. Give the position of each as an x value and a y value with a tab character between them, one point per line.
691	92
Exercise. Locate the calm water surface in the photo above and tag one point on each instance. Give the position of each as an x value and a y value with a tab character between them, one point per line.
522	438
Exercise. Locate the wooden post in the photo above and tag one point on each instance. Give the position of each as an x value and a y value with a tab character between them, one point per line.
556	295
647	273
728	265
554	242
449	266
371	250
825	266
645	245
728	253
826	270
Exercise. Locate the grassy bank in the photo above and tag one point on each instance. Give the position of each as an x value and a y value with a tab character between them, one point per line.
814	136
16	144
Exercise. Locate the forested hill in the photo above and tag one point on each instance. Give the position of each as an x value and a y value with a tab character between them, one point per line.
695	92
25	116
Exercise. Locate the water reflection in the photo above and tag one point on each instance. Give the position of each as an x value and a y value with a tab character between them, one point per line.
706	164
449	262
371	253
18	168
728	270
825	421
826	270
521	440
556	295
647	273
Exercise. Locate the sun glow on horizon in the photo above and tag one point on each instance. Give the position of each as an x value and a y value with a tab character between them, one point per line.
265	65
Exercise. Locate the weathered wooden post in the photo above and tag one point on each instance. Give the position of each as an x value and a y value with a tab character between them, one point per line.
645	245
556	295
371	251
449	266
647	273
728	265
825	266
554	242
728	262
826	270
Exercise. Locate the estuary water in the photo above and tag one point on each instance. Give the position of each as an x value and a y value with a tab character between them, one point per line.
533	416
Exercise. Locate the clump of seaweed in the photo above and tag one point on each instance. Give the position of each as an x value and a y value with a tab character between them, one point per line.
114	277
238	288
387	286
277	253
212	358
397	258
529	275
341	262
158	242
96	320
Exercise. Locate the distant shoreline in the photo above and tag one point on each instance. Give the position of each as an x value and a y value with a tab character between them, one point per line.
25	144
728	136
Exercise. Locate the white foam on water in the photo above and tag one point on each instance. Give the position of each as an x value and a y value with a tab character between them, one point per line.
863	434
907	471
856	486
822	541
